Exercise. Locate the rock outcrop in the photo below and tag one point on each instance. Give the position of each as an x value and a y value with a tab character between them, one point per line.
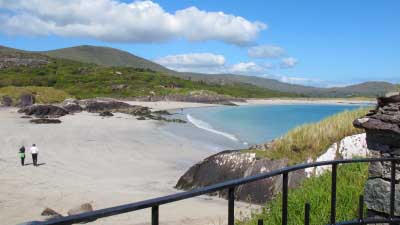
195	96
6	101
26	100
382	126
230	165
72	105
44	111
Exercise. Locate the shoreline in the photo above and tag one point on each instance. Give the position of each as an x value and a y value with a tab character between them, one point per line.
175	105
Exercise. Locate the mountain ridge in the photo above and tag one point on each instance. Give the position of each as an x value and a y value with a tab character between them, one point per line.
107	56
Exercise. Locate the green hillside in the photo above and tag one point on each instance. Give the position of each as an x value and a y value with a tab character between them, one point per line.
84	80
104	56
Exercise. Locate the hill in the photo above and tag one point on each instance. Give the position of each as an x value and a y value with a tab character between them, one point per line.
104	56
85	80
111	57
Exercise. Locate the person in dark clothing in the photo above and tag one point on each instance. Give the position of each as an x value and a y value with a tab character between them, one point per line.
22	155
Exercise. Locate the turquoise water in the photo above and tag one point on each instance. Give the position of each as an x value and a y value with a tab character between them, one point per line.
245	125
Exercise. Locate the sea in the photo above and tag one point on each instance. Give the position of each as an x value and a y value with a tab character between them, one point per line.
238	127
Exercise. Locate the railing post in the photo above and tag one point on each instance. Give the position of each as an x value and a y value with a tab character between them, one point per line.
231	206
392	188
285	180
307	214
361	209
333	193
154	215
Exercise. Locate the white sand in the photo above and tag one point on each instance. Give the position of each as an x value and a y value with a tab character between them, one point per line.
276	101
106	162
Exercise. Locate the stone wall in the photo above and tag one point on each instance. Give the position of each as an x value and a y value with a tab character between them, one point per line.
382	126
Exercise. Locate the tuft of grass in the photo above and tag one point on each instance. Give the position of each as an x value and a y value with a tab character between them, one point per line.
311	140
316	191
45	95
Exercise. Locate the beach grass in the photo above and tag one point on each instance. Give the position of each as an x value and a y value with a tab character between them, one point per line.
311	140
316	191
45	95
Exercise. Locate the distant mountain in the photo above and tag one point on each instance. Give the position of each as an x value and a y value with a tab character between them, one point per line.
113	57
104	56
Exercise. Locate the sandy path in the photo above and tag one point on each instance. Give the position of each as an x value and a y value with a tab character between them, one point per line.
106	162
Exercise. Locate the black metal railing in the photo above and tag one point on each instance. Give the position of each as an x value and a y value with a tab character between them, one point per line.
232	184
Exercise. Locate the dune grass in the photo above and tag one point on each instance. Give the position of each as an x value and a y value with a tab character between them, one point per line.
316	191
42	94
311	140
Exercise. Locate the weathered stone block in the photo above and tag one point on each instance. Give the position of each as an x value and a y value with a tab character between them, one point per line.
377	196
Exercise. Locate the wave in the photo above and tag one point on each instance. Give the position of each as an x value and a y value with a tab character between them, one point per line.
205	126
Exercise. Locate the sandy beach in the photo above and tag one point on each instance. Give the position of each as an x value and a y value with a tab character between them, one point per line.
107	162
104	161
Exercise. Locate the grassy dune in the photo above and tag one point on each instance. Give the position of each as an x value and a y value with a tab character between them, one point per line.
311	140
350	184
42	94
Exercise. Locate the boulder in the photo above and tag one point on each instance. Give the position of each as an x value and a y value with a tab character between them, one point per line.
377	196
6	101
101	106
43	111
50	214
72	105
45	121
84	208
229	165
26	100
106	114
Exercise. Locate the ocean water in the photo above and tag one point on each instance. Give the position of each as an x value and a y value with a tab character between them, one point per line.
227	127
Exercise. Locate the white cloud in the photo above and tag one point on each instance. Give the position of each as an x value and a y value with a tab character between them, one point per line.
247	68
192	61
265	51
288	62
209	63
115	21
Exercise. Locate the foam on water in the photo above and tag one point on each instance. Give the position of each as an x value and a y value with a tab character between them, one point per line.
205	126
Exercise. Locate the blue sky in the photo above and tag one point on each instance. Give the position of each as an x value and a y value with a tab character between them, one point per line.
322	43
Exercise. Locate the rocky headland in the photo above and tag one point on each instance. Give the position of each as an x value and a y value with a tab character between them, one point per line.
382	126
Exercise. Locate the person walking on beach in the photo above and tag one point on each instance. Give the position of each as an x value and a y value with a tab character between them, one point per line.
34	151
22	155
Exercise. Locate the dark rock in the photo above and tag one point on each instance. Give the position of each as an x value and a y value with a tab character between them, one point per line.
383	101
141	118
101	106
162	112
26	117
6	101
43	111
72	106
45	121
26	100
106	114
50	214
230	165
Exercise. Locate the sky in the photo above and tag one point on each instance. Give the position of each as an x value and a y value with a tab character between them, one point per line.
310	42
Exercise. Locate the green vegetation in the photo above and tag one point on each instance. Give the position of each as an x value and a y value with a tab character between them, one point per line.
316	190
311	140
104	56
42	94
88	80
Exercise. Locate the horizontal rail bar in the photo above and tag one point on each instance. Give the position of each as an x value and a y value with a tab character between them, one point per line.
116	210
369	221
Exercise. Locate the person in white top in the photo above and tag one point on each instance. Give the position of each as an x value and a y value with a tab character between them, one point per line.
34	151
